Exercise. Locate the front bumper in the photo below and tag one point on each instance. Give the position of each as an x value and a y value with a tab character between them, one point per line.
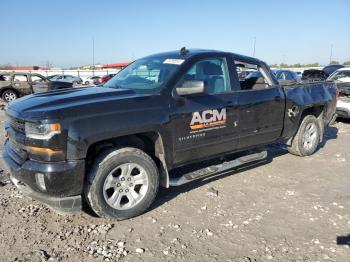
63	181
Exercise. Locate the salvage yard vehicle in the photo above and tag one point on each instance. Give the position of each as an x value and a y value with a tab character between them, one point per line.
104	79
330	69
342	78
91	80
113	146
287	77
66	78
314	75
15	85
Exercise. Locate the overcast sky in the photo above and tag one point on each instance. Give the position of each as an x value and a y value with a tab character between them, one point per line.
61	32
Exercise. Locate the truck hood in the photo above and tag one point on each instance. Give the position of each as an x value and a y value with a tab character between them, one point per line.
64	102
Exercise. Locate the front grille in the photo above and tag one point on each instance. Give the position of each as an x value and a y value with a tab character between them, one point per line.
17	124
17	152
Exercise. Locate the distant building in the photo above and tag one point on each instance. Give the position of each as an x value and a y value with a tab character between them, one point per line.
23	68
116	65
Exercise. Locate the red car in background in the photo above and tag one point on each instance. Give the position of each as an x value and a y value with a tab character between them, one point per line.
105	78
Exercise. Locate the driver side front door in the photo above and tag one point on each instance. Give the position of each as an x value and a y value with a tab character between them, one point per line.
204	124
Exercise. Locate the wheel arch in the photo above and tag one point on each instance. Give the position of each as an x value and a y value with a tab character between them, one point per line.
316	111
8	88
149	142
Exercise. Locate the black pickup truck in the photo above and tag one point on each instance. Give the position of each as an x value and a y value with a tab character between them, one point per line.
112	146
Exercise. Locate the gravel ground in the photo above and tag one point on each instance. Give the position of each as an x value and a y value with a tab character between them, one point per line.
289	209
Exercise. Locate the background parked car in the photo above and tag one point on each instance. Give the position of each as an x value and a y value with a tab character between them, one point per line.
105	78
91	80
66	78
342	78
15	85
331	68
287	76
313	75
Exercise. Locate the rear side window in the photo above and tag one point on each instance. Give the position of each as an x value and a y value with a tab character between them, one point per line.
252	76
20	78
37	79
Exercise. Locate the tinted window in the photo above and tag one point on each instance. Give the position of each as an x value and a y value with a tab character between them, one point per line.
254	78
213	72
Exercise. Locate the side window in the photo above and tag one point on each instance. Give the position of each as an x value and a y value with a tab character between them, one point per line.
283	76
252	76
5	78
20	78
37	79
213	72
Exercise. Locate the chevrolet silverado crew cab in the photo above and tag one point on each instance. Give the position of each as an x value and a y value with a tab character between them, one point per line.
113	146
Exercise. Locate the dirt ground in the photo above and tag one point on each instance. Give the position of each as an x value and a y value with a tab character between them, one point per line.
288	209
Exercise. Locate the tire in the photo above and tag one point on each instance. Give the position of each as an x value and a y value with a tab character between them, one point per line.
87	83
114	171
9	95
307	138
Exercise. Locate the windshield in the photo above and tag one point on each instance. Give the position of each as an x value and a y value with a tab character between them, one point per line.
340	76
145	75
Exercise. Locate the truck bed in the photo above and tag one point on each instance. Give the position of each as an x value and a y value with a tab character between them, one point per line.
304	95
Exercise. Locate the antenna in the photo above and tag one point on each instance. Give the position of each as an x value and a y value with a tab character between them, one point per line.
183	51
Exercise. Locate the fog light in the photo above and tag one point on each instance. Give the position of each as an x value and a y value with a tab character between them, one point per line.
40	180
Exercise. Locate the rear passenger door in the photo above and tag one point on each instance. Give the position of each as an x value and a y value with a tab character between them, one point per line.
21	83
39	84
260	103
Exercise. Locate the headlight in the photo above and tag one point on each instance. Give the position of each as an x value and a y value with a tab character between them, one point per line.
42	131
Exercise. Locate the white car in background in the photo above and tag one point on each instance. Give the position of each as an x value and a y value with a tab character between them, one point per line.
91	80
342	78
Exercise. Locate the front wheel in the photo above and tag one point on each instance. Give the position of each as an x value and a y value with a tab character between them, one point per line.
307	138
9	95
122	183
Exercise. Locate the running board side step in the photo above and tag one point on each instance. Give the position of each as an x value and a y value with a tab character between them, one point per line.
212	170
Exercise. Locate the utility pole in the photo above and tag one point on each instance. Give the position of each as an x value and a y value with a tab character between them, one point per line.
93	56
330	57
254	46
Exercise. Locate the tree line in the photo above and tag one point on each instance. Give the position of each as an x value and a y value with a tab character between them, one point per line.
299	65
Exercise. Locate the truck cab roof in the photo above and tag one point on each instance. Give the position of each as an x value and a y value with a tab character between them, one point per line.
189	53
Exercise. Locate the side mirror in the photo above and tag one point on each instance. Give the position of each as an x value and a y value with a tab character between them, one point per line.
192	87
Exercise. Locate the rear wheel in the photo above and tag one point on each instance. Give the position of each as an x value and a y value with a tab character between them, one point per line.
307	138
9	95
122	183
